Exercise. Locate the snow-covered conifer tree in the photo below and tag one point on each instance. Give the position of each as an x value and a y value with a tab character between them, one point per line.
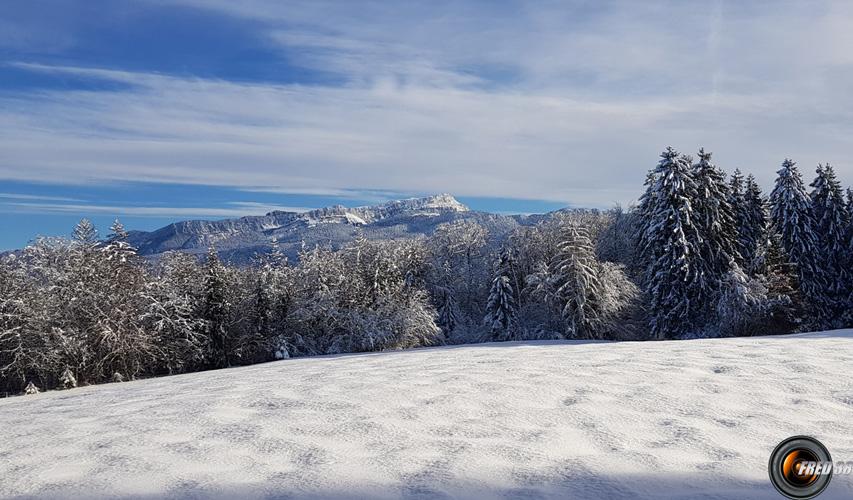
117	247
501	306
644	215
850	202
831	222
736	187
67	379
31	389
85	233
448	312
715	221
792	219
753	231
737	201
576	283
672	242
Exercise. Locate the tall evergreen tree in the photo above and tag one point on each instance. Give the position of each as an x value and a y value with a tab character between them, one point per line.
672	242
215	310
831	226
715	221
448	312
644	212
850	202
753	231
577	285
501	310
736	187
737	201
848	258
117	248
85	233
792	219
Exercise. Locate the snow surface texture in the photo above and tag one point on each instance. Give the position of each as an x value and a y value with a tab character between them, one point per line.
678	419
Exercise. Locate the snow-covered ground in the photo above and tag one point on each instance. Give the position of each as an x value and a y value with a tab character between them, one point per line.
682	419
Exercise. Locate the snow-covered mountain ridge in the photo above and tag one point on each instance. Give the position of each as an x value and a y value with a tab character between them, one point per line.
546	420
239	239
431	206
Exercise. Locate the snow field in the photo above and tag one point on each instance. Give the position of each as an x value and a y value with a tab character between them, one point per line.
675	419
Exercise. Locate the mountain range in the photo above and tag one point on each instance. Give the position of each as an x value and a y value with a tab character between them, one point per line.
238	240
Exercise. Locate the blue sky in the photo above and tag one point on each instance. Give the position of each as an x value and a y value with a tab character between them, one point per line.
155	111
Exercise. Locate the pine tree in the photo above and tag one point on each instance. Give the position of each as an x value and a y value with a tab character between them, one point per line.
831	226
792	219
576	283
117	231
644	212
850	202
848	258
501	305
715	221
448	313
31	389
782	285
67	379
117	247
85	233
215	310
753	231
672	248
736	187
737	201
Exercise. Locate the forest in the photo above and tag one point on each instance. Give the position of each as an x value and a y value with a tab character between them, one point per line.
703	254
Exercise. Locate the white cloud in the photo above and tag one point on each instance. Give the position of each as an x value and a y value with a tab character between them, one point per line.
16	196
566	102
235	209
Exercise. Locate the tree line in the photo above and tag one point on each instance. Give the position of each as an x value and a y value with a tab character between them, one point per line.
703	254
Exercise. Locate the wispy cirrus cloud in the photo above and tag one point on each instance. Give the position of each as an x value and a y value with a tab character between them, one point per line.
32	197
565	101
235	209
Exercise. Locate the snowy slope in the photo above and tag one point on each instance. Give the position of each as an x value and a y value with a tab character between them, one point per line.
680	419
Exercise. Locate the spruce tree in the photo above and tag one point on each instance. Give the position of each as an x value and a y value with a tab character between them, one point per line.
67	379
31	389
85	233
831	226
850	202
643	217
736	187
501	305
672	242
737	201
215	310
753	231
792	220
500	309
848	260
715	221
576	282
117	248
448	313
